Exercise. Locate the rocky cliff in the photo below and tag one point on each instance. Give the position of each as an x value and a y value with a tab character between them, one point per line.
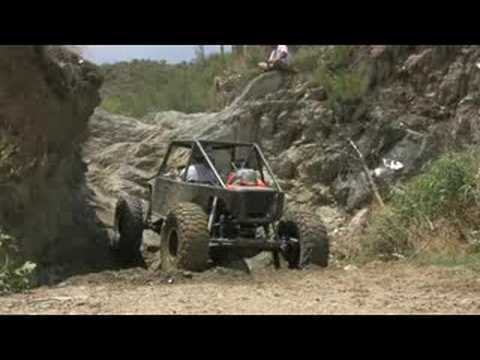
60	173
46	98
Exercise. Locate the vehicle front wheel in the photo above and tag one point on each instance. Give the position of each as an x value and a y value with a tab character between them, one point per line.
128	230
185	239
310	243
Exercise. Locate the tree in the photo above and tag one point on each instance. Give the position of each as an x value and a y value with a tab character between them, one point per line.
222	52
236	50
200	54
239	51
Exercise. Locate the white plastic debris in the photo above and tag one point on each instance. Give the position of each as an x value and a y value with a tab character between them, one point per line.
379	171
387	165
392	164
477	65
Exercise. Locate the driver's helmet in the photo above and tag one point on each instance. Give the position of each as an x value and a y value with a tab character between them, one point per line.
246	177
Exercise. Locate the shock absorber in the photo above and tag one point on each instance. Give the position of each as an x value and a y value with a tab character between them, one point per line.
148	215
221	227
212	214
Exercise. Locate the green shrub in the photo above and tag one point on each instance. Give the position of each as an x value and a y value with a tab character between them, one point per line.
447	190
344	80
255	55
308	58
340	56
445	185
387	234
14	276
114	105
455	259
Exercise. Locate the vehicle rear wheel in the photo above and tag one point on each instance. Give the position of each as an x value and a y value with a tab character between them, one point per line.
185	239
312	243
128	230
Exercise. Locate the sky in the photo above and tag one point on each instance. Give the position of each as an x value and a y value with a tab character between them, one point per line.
171	53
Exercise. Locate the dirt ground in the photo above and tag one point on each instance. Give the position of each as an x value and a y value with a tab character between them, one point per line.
393	288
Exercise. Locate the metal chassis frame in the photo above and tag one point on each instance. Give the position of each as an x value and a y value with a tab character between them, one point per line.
275	247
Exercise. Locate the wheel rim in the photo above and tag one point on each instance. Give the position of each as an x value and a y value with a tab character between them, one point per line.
292	253
119	224
117	229
173	243
170	250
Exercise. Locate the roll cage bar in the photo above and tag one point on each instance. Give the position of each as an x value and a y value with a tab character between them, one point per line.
200	145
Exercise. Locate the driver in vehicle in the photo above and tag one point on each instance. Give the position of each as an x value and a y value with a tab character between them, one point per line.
199	171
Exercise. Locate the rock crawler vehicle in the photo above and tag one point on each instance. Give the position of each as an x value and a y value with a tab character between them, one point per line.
201	223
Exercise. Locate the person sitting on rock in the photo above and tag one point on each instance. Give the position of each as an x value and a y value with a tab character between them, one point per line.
279	59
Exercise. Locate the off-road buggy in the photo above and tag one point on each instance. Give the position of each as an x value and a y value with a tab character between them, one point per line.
201	223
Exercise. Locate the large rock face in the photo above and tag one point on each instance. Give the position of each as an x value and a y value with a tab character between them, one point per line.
46	98
423	101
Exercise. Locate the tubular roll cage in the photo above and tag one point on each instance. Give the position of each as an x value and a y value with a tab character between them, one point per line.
200	145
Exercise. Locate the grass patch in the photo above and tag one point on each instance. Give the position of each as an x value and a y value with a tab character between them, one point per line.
14	275
344	80
308	58
336	68
469	261
433	213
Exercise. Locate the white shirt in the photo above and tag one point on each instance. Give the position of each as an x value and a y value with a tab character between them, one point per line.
200	173
278	52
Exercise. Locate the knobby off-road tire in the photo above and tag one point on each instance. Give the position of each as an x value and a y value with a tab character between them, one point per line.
313	241
128	226
185	239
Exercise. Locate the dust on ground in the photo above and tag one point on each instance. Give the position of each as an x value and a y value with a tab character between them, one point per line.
377	288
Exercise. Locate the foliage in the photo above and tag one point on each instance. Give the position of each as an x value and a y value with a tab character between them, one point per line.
14	276
139	87
344	80
446	194
337	69
308	58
